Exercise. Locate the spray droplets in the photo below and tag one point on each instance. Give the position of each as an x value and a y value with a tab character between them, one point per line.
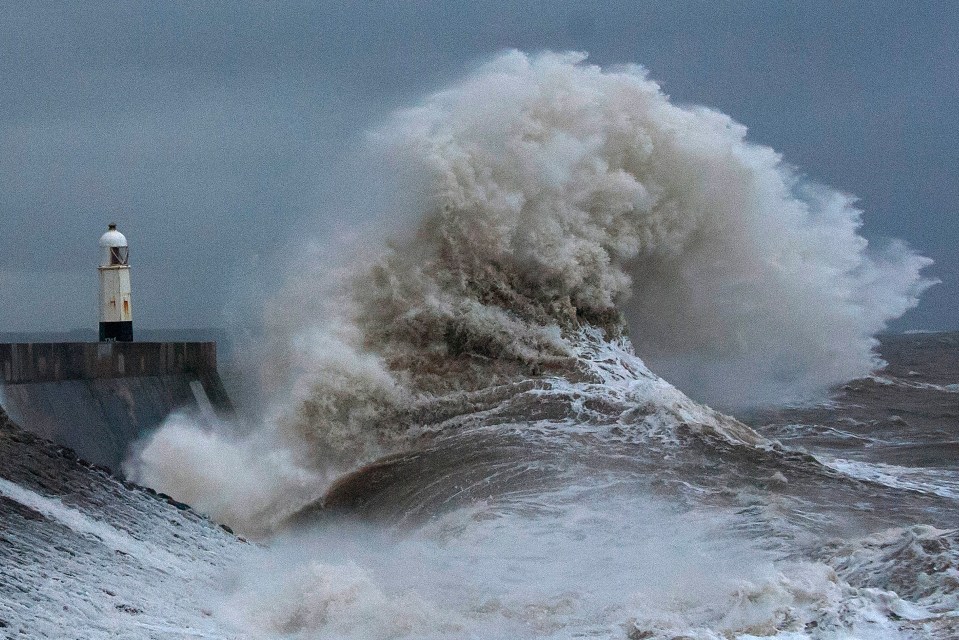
552	189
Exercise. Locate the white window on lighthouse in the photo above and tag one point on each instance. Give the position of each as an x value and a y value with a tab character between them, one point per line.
119	256
116	252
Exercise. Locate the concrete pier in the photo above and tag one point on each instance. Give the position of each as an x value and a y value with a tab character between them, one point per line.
99	398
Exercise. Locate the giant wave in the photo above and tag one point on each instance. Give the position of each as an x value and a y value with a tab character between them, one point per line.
475	377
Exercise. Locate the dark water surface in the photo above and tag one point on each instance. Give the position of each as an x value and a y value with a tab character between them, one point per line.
608	508
899	427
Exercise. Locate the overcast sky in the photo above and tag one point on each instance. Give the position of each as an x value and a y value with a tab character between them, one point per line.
216	134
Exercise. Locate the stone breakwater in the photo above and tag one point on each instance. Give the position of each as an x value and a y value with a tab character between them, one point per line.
99	398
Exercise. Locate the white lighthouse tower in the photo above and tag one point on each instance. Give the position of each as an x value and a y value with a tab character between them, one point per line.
116	314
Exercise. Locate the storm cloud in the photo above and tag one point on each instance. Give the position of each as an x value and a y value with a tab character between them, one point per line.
218	135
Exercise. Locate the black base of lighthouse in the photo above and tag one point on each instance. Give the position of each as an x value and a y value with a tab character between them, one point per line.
116	331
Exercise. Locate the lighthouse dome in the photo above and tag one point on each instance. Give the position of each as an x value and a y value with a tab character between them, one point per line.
113	238
114	251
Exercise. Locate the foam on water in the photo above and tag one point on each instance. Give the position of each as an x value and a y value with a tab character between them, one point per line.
530	476
80	523
83	556
938	482
577	564
601	552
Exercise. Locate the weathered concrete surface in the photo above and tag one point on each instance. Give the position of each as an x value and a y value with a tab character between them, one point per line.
55	361
84	555
99	398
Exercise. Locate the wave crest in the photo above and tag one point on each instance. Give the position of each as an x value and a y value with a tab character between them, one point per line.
549	192
547	206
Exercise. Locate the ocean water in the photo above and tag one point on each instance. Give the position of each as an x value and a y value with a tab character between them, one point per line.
893	426
618	508
489	416
83	555
613	507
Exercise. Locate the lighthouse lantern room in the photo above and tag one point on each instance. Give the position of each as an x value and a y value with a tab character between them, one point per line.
116	313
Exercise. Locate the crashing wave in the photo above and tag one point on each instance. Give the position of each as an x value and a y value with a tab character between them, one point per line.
473	377
552	212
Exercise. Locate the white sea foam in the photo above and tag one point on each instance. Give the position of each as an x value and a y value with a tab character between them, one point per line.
79	522
611	567
549	208
247	482
940	482
908	384
541	194
741	283
107	562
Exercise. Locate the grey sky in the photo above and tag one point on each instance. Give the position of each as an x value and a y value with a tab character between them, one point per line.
216	134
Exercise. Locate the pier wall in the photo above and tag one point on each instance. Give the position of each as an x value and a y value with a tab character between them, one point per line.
99	398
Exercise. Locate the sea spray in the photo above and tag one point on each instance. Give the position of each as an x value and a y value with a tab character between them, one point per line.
554	215
544	195
553	190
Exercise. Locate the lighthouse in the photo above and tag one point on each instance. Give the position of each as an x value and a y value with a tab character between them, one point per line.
116	314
